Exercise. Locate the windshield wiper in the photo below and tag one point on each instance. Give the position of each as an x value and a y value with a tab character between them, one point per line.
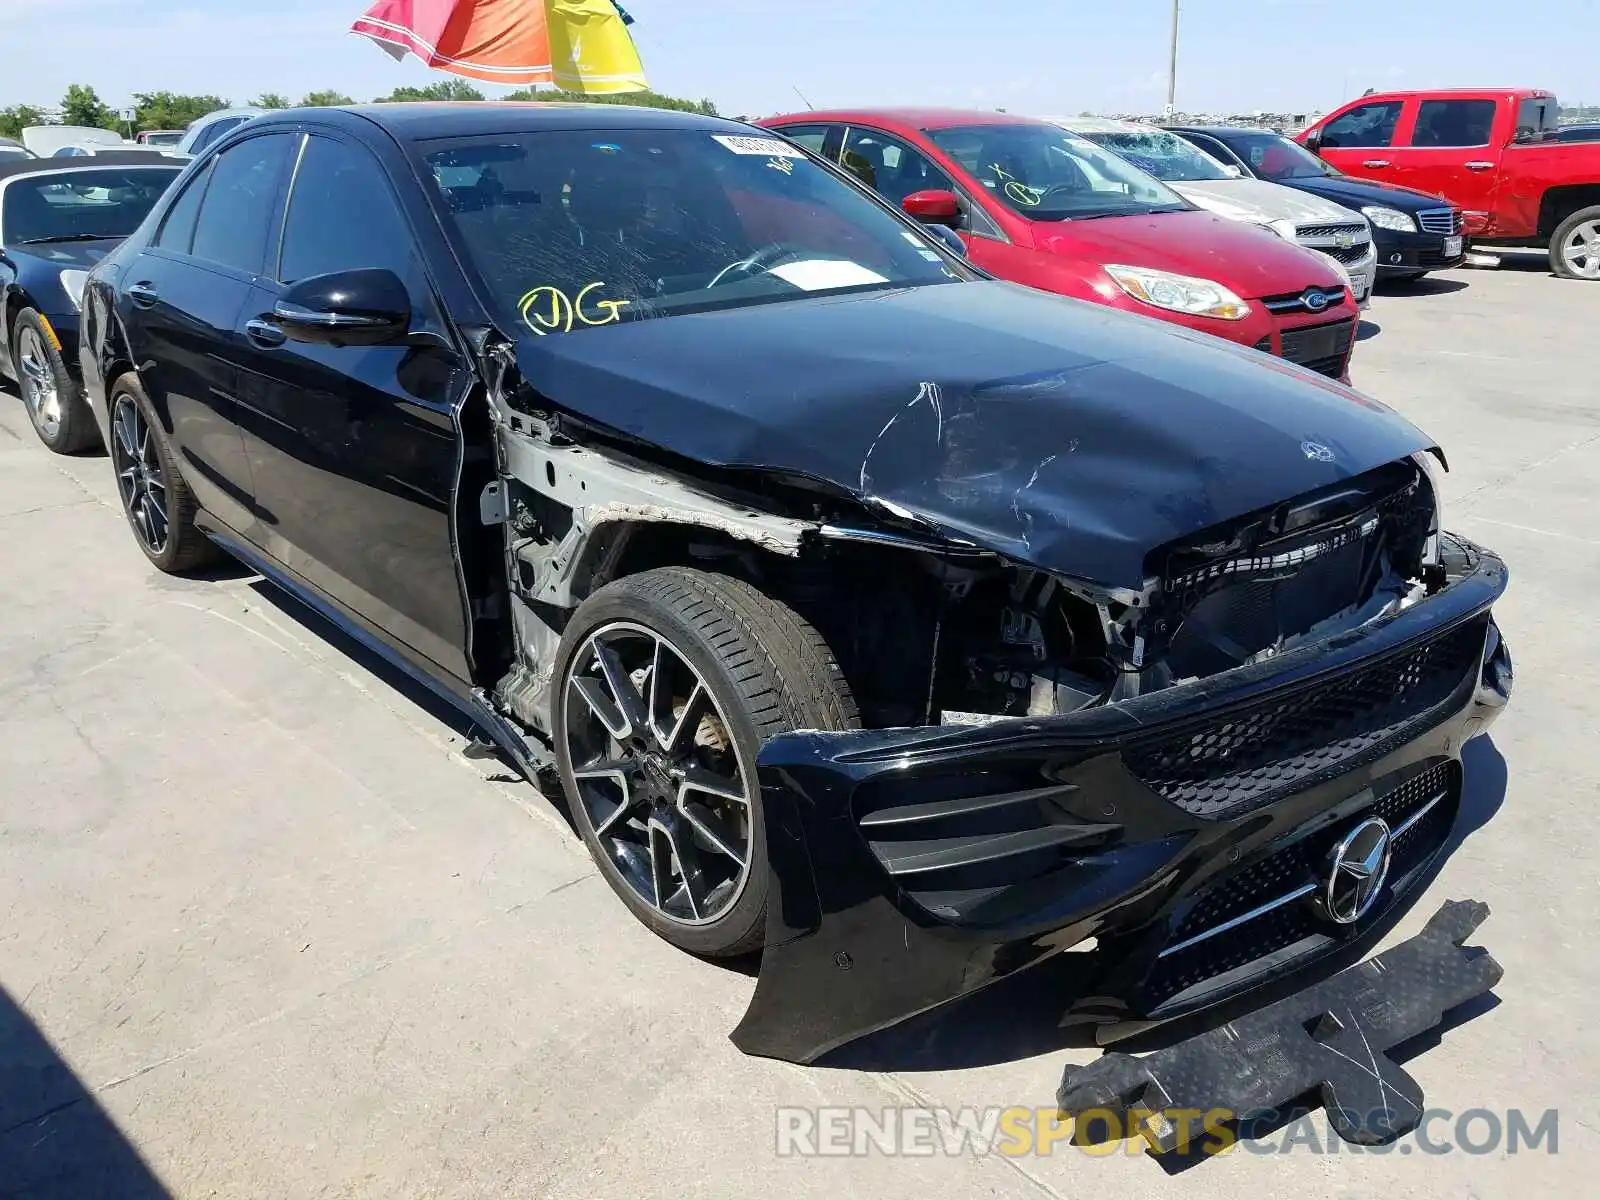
68	237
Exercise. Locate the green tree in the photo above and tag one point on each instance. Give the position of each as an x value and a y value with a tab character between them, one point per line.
83	106
271	100
641	99
18	117
326	99
172	110
450	89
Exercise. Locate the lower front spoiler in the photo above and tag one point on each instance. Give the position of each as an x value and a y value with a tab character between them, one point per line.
1331	1038
861	829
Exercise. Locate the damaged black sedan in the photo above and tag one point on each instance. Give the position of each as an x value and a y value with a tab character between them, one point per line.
909	626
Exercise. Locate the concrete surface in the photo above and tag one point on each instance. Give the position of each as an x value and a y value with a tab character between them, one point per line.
265	932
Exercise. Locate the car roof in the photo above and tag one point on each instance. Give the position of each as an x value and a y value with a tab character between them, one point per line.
1220	131
1102	125
418	121
911	118
94	162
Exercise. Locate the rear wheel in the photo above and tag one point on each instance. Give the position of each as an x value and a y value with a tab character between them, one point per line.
55	404
666	684
1575	248
158	504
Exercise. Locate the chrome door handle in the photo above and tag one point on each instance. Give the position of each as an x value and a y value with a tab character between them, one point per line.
1376	162
264	333
1479	166
143	295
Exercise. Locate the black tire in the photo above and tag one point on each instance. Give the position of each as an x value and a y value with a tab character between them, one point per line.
1559	259
183	547
53	399
768	672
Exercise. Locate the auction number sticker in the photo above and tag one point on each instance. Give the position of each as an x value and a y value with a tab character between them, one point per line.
765	147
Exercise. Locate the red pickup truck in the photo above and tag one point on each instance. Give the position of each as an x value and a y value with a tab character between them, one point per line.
1491	152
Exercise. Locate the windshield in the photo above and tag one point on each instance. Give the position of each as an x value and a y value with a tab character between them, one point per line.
1273	157
1165	155
1046	174
108	202
575	229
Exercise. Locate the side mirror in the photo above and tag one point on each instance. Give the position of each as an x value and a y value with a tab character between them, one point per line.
1233	171
1313	141
368	307
933	207
949	237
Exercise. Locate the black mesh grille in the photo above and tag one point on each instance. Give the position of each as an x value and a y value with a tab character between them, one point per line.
1347	254
1295	866
1316	346
1354	228
1249	757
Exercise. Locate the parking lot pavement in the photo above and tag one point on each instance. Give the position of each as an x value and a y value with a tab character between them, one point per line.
264	931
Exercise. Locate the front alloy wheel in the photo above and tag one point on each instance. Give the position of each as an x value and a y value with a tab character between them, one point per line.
658	774
664	688
40	391
140	478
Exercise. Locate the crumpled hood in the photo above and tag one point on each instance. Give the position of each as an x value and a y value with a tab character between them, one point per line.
1061	433
1257	200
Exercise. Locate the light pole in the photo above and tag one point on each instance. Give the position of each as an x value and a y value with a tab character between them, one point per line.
1172	66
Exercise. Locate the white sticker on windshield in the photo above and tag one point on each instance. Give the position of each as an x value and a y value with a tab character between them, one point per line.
764	146
822	274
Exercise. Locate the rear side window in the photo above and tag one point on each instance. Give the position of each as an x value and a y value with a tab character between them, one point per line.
810	136
177	230
1364	125
236	215
1538	116
1454	123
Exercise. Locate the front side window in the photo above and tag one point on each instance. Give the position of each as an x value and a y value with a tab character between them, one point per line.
1454	123
1047	174
81	205
236	215
1364	125
570	230
341	216
177	228
890	166
1164	155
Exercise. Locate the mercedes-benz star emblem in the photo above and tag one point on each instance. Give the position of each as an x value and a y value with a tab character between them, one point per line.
1316	452
1357	871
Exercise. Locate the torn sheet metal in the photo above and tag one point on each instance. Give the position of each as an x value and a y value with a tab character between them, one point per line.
1331	1039
1064	434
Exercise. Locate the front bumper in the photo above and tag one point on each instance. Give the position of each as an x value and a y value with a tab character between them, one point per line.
1407	253
1131	842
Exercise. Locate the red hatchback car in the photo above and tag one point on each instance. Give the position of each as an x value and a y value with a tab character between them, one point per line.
1044	207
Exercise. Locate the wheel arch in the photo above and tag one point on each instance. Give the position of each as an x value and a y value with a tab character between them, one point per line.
1559	203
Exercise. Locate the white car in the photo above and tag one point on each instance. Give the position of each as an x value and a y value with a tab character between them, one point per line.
1313	222
46	140
206	130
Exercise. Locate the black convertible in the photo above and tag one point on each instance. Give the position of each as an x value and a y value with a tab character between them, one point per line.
909	626
58	217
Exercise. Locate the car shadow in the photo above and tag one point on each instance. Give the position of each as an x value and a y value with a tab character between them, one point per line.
55	1139
1021	1016
1428	285
1367	329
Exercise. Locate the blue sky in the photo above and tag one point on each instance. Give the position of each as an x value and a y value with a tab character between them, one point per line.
1025	55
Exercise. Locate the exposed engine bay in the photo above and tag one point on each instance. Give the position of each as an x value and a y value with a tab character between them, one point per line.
932	631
